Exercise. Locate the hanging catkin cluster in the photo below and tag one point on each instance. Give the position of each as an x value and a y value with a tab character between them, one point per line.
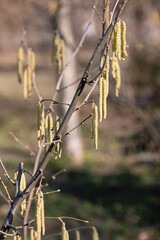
28	73
94	125
103	90
39	218
118	52
58	55
65	235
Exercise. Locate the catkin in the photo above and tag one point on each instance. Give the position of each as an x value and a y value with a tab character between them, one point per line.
95	125
100	99
50	126
106	13
32	234
65	235
20	64
57	148
92	122
104	105
54	49
42	213
77	235
18	237
38	214
123	40
32	61
25	84
22	187
118	39
116	73
15	176
41	124
29	80
46	131
62	54
95	234
63	231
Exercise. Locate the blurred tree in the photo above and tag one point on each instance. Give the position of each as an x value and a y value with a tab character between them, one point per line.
73	145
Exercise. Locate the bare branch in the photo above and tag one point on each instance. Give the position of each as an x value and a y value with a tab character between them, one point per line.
22	144
5	188
6	173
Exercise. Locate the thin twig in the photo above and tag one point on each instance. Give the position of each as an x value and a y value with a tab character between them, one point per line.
6	173
81	123
8	234
22	144
5	188
72	218
98	14
4	197
113	11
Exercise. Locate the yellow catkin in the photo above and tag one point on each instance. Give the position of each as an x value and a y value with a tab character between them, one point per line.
54	49
116	40
32	234
42	213
104	106
62	54
107	16
20	64
50	126
95	234
105	87
77	235
42	126
18	237
100	98
32	61
65	235
15	176
25	84
57	149
63	231
38	214
92	122
22	187
15	237
29	80
116	73
123	40
95	125
40	123
46	131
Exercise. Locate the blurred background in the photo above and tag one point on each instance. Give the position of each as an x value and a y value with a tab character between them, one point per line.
117	187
